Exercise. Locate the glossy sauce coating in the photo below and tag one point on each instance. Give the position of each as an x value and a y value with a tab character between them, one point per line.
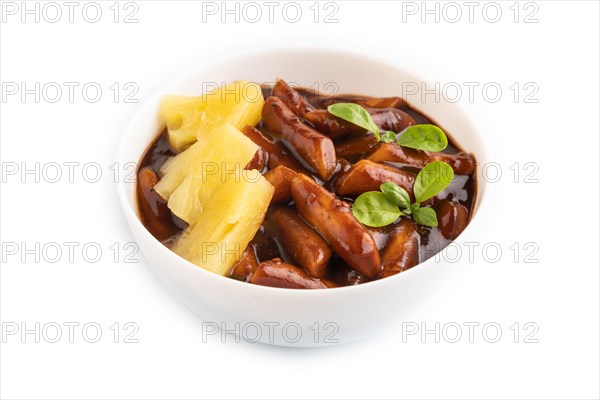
401	251
316	149
366	176
281	178
333	219
307	165
302	243
277	273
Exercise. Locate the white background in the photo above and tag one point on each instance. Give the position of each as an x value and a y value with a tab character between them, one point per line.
559	214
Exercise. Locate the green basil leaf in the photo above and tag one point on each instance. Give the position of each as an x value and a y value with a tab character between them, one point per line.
414	208
431	180
423	137
425	216
355	114
374	209
396	194
388	137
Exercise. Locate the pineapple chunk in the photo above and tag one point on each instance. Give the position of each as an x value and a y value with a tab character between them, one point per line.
183	116
239	103
228	221
188	201
211	156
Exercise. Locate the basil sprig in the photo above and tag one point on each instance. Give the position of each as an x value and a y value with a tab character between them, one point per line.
357	115
422	137
375	209
382	208
431	180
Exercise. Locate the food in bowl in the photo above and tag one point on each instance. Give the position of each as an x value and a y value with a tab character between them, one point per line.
284	187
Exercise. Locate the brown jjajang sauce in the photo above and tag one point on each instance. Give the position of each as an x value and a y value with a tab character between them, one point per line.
360	163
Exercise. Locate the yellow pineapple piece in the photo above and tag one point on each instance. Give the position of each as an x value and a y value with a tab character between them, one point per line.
183	116
211	156
227	222
239	103
188	201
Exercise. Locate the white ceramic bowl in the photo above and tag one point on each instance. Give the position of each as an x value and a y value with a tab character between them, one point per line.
283	316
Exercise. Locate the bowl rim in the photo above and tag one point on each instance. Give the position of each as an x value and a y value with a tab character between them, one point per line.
131	215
